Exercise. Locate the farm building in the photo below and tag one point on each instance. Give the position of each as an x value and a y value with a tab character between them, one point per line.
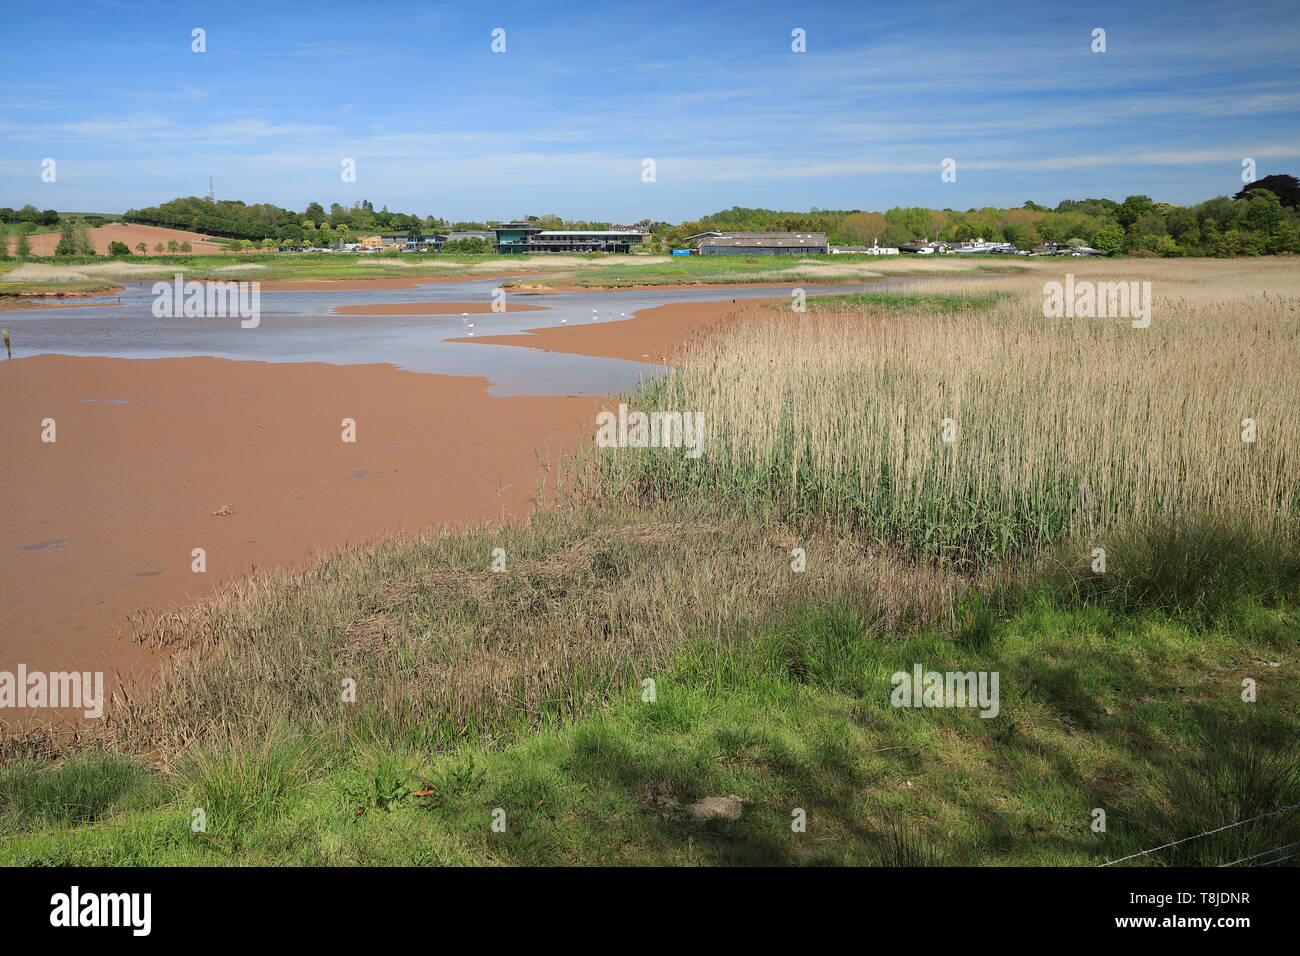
762	243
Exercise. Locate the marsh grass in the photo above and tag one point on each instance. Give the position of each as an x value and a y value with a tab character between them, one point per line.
1059	427
442	649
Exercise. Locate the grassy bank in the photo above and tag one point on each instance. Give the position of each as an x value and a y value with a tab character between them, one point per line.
64	287
1136	712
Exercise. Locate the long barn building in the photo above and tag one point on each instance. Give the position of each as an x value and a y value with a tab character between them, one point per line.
762	243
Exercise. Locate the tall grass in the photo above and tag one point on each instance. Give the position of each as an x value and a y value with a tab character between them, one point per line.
1058	426
443	649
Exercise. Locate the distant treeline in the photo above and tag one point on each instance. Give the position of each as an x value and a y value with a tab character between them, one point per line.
29	214
233	219
1261	219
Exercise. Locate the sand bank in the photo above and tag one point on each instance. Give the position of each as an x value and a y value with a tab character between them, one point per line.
652	335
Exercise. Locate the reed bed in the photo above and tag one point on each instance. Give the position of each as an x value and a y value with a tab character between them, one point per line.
976	433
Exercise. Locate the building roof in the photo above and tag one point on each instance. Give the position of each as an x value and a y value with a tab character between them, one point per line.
792	240
590	232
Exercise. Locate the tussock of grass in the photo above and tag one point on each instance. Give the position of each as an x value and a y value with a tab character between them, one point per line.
1198	569
79	791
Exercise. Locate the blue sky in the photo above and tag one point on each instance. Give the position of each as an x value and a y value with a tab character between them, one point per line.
560	123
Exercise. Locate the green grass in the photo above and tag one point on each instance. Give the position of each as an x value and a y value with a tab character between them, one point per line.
899	302
705	270
1139	715
1126	699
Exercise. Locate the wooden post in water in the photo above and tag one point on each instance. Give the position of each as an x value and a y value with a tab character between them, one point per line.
9	353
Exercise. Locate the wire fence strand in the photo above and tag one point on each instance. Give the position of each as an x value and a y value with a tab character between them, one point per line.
1197	836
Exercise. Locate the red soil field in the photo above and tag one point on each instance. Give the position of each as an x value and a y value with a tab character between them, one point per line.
43	244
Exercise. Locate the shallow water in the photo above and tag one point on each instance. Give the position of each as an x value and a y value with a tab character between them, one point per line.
299	327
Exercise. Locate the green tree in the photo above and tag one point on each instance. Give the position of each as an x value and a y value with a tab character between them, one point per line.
22	247
1189	236
1109	239
474	246
1133	207
67	244
1263	211
141	248
85	245
116	248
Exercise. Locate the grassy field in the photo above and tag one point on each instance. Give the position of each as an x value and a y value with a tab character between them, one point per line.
1160	687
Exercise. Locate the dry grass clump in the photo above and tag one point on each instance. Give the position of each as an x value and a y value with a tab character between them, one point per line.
441	646
1061	426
